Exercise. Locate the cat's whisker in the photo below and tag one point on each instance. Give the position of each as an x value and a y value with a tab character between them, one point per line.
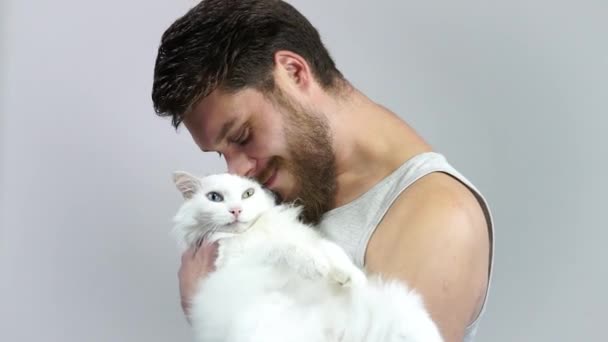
212	230
198	244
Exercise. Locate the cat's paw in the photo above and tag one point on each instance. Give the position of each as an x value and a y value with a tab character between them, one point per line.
220	260
339	276
319	267
348	276
343	270
357	276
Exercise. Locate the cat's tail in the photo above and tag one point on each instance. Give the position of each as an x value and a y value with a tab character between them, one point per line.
383	310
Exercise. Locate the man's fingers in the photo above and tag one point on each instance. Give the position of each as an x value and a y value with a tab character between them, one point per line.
188	254
208	253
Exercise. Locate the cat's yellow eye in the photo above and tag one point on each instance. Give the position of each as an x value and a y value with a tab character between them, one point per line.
248	193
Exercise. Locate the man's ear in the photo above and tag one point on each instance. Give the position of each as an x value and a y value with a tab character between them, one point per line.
293	68
186	183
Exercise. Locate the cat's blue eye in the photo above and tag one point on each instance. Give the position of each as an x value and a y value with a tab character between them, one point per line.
215	197
248	193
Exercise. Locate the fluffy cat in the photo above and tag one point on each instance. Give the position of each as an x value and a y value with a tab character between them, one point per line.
277	279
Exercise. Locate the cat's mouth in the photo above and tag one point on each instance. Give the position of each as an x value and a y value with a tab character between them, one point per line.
239	223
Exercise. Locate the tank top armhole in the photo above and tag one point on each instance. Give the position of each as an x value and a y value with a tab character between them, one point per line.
445	168
490	227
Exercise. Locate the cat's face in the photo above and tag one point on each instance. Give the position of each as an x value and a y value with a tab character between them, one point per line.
221	202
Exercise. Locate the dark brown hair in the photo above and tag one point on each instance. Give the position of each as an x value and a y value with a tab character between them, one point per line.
231	44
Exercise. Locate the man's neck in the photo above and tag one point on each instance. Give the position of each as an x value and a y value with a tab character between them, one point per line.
370	142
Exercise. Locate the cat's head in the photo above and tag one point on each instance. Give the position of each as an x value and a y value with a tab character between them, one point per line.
218	203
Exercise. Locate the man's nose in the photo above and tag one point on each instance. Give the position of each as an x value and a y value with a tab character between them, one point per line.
240	164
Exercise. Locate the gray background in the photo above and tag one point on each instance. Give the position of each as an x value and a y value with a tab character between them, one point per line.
514	93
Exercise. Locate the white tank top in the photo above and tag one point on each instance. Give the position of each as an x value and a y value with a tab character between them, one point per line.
352	225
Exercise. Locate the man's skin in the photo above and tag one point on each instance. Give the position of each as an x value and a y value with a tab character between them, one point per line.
435	235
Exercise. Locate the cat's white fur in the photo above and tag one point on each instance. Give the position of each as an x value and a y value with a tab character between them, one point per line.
278	280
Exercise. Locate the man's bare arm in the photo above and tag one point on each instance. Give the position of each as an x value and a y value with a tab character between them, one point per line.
435	238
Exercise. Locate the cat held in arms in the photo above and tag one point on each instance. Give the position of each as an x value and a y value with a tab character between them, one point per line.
276	279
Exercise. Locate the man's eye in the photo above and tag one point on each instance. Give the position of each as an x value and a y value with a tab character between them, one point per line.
243	138
244	141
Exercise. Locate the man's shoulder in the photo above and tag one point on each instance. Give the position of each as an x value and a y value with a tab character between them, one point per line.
435	204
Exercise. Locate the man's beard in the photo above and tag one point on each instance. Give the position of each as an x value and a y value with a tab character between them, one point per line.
312	160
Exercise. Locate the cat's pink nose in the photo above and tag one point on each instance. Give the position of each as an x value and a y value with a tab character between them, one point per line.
235	211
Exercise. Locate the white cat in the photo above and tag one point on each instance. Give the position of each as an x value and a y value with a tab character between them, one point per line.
278	280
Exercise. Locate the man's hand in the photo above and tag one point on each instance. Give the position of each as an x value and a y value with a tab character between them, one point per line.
196	264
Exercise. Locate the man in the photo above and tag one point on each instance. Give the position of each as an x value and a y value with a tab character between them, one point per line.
251	80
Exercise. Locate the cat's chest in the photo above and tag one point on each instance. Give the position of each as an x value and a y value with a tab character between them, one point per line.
262	242
245	246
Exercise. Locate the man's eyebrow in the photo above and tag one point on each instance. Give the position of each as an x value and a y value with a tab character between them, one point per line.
224	131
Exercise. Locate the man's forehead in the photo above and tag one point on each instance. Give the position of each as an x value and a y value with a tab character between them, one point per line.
212	118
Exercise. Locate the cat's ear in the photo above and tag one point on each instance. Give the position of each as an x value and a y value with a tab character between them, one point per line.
186	183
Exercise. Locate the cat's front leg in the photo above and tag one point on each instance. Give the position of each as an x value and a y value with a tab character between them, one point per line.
341	268
324	260
306	261
226	247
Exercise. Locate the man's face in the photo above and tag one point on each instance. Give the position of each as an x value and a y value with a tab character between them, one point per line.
279	142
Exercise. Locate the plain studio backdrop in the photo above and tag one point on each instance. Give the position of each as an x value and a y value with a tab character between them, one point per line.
514	93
